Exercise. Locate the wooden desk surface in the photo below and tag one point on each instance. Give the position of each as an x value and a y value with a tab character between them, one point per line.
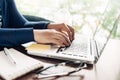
107	68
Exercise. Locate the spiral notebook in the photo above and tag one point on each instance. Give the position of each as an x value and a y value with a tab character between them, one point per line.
24	64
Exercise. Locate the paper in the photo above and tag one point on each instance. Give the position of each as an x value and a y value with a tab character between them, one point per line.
24	64
38	47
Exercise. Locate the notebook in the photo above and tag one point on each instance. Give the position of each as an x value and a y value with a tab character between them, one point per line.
24	64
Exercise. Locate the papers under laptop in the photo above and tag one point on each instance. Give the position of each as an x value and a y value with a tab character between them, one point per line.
81	49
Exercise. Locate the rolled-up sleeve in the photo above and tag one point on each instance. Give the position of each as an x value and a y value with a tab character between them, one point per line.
15	37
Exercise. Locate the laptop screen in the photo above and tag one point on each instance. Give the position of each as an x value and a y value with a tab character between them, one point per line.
109	23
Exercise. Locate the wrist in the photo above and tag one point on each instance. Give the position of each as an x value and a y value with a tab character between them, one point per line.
35	32
51	25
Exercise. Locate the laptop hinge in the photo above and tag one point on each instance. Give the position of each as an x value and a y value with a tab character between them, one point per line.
94	49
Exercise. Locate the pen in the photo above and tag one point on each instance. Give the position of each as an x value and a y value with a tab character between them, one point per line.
8	54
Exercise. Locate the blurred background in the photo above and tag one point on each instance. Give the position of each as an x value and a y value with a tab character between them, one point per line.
85	16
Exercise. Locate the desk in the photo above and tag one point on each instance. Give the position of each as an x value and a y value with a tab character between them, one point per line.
107	68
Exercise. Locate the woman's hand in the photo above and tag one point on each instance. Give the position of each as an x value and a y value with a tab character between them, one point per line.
67	30
51	36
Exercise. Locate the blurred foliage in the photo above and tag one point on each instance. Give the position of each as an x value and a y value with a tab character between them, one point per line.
84	15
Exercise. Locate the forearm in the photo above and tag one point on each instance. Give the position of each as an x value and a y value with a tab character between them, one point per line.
15	37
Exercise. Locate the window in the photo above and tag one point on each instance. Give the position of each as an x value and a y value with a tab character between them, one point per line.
84	15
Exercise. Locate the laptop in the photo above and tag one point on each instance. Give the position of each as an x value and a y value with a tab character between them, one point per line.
82	48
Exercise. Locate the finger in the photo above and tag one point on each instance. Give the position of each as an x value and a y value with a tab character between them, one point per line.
66	29
68	38
58	42
72	33
64	38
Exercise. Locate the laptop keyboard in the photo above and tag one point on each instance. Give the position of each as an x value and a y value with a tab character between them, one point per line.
77	48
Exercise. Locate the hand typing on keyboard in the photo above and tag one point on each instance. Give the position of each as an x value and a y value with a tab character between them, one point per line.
77	49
